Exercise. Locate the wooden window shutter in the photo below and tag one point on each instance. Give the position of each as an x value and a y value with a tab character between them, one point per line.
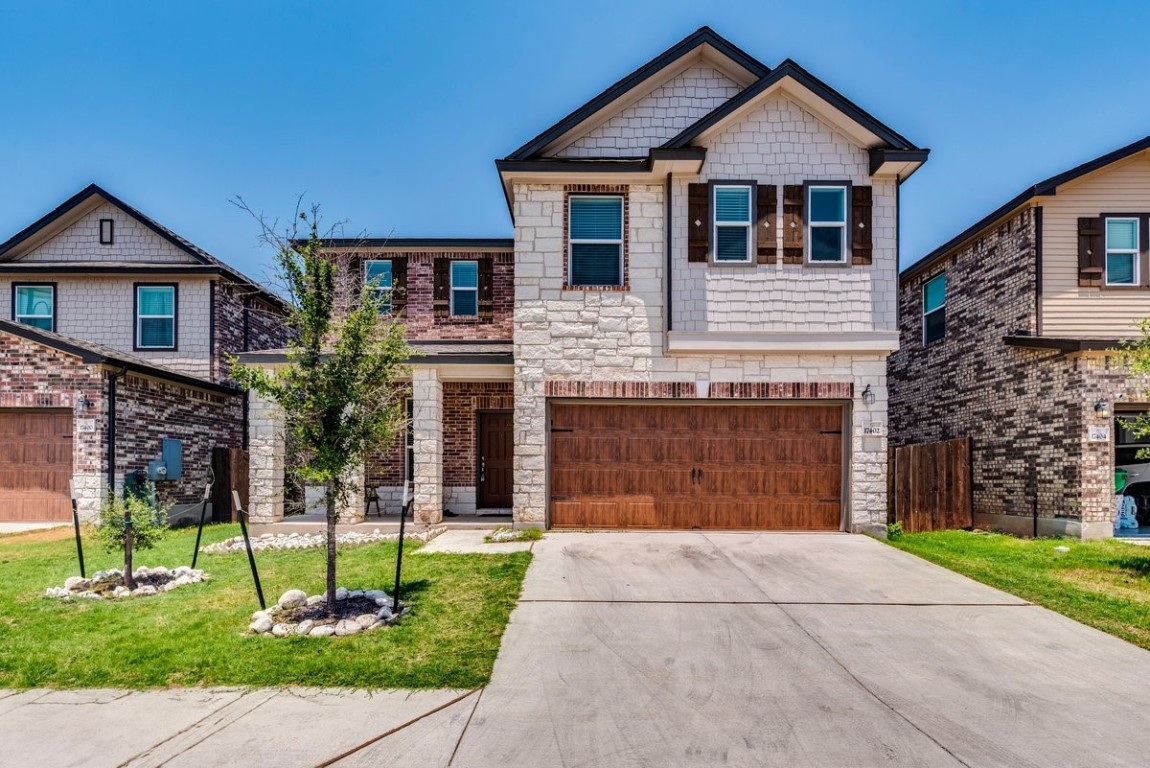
793	224
767	223
861	239
441	291
486	289
698	222
398	285
1091	251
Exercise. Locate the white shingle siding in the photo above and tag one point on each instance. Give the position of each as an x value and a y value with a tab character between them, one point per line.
654	119
132	241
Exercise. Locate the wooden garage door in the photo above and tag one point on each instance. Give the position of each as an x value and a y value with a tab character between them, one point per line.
35	465
776	467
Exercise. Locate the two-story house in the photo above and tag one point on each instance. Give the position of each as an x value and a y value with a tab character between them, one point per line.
689	328
1007	337
115	344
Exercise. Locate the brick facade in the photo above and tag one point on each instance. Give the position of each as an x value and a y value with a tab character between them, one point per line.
243	323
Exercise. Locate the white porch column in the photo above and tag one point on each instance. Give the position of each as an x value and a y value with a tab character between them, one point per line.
265	461
427	424
530	498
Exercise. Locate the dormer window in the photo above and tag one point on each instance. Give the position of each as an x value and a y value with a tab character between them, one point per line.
107	231
35	305
732	234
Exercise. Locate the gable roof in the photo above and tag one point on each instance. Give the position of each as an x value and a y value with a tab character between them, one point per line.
1046	188
78	200
98	354
700	38
791	70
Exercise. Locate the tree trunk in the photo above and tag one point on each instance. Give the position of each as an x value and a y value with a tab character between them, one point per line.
331	520
129	580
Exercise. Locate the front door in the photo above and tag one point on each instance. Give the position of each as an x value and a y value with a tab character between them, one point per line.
495	460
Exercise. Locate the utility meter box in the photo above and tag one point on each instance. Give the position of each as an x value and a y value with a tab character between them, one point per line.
172	455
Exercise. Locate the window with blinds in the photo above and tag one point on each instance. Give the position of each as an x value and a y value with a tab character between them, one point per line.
595	240
1122	252
36	306
155	317
934	309
732	207
827	224
465	288
378	279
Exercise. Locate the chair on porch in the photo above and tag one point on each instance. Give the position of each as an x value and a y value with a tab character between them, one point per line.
371	496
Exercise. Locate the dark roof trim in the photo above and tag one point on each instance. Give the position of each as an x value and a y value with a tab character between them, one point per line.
701	36
420	243
880	155
792	70
1061	344
163	232
1042	188
601	165
80	268
95	357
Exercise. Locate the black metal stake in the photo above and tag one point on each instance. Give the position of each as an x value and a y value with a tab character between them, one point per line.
242	514
203	514
79	543
398	563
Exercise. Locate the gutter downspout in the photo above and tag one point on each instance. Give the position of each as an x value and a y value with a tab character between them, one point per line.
112	430
667	271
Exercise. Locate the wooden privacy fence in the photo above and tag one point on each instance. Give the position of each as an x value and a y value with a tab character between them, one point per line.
230	467
930	486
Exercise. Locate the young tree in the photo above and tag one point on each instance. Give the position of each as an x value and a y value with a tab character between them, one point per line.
132	523
339	391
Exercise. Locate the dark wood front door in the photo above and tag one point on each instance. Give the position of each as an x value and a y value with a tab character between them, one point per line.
756	467
495	460
35	465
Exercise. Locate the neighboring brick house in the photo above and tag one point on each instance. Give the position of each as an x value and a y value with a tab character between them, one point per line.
1005	338
690	325
116	336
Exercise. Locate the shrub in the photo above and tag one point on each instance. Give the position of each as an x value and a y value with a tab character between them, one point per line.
894	531
149	524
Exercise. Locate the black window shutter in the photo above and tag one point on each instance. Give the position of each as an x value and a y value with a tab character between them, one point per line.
1091	251
793	224
766	223
861	240
441	292
698	222
486	289
398	285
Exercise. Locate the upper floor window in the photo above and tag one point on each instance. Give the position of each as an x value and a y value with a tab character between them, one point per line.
595	240
378	277
155	317
35	305
1122	252
732	205
465	288
827	224
934	309
107	231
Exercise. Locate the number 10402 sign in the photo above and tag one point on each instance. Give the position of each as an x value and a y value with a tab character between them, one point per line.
1098	434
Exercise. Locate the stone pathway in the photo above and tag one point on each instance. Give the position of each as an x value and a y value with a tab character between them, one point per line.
471	542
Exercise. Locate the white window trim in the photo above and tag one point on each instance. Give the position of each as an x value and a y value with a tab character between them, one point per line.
452	289
1135	251
21	318
385	307
940	307
141	317
573	241
748	225
843	227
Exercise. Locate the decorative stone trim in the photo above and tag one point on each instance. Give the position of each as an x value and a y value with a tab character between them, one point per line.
598	189
691	390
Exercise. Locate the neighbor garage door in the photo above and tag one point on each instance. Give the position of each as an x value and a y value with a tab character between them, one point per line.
35	465
759	467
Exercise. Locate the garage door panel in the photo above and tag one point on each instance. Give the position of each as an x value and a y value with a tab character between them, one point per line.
664	465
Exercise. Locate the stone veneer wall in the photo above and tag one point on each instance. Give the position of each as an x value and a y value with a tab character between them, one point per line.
1026	410
589	336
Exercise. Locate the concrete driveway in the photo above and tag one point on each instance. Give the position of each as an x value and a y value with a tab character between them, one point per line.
691	649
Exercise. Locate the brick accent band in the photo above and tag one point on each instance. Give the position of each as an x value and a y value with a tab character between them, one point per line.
688	390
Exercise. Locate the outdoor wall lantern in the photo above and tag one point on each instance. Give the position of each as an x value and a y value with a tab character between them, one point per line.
1102	409
868	395
82	403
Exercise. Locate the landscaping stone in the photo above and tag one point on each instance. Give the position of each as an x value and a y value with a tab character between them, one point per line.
286	541
356	610
110	584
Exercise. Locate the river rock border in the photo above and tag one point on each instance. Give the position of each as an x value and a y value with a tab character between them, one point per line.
109	585
280	541
297	614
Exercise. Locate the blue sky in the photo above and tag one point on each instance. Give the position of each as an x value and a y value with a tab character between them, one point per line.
390	114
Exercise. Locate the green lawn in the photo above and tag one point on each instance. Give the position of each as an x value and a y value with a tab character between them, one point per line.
195	635
1105	584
